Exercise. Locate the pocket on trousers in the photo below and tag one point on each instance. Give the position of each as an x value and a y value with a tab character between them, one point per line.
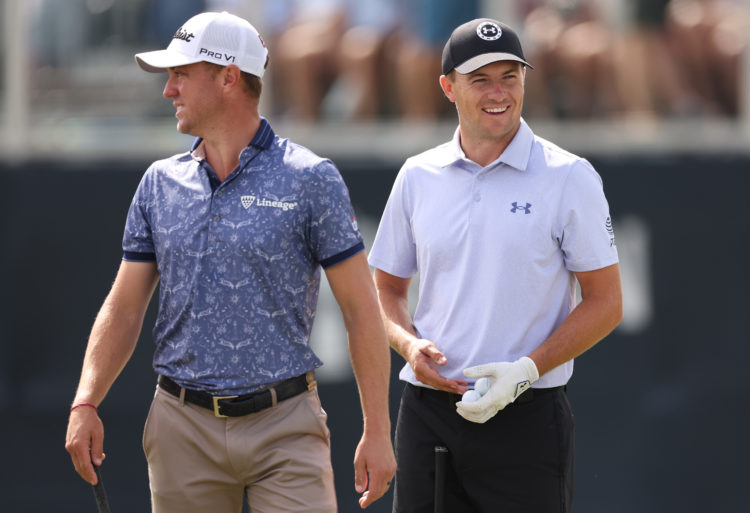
148	427
566	427
312	400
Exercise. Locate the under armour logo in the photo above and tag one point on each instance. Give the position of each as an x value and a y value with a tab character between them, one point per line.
489	31
516	206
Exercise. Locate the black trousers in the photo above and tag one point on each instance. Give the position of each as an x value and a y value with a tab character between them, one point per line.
521	460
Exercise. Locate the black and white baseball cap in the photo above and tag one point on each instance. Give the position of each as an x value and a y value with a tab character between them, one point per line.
217	37
479	42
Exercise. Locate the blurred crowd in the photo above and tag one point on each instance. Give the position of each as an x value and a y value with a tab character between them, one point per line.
361	60
641	58
380	59
669	58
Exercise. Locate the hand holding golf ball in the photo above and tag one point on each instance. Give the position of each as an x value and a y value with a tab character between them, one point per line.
482	385
471	395
504	382
480	388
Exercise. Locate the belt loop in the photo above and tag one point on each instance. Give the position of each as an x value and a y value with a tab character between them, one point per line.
274	399
182	396
310	377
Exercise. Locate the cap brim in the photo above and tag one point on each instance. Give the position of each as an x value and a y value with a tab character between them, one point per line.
159	60
488	58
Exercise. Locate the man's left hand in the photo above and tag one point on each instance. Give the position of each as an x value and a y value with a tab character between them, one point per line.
374	467
509	380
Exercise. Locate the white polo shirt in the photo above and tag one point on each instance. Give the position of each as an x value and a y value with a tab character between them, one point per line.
495	248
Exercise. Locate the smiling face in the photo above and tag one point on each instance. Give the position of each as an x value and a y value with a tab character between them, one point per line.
489	102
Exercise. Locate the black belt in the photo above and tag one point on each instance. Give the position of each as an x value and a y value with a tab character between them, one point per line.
526	397
239	405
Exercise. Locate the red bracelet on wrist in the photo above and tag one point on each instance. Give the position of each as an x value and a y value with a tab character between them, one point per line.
85	404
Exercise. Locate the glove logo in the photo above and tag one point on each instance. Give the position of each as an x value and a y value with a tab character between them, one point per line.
522	387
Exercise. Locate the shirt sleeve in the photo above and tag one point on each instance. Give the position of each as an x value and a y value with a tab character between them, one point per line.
394	250
334	233
137	241
585	229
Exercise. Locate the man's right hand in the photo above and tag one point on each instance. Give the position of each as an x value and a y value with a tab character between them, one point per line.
425	358
85	442
422	355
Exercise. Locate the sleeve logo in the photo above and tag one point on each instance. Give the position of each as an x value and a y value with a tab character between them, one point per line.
610	231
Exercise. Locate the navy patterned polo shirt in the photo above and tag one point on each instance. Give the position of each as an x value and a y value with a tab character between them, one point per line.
240	260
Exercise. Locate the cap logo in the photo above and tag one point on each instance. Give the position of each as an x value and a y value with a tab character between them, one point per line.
489	31
183	34
219	56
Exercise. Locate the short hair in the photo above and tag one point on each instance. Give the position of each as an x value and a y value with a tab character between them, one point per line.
253	84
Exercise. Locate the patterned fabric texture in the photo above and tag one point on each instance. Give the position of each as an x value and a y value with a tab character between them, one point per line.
240	261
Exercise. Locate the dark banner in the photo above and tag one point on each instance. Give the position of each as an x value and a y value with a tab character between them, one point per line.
661	405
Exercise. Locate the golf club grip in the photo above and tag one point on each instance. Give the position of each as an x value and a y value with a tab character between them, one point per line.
102	504
441	454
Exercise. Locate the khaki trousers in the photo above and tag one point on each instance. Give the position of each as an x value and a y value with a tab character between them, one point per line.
279	458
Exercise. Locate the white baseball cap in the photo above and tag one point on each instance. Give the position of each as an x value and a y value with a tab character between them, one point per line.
217	37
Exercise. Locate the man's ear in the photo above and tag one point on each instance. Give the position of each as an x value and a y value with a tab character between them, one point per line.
447	86
231	76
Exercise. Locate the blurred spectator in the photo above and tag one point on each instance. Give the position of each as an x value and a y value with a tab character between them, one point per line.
670	58
361	60
64	29
164	17
571	47
426	26
303	41
365	60
708	38
649	80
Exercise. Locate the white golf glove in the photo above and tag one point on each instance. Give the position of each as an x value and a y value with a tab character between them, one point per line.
509	380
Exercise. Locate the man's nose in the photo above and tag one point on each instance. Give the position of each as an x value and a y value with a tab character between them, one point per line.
498	89
169	89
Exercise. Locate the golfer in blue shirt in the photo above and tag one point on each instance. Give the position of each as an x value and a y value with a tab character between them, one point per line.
235	232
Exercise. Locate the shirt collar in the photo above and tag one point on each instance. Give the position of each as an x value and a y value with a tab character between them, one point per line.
516	155
261	140
518	152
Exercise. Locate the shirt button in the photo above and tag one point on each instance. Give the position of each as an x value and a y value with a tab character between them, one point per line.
217	218
220	194
477	197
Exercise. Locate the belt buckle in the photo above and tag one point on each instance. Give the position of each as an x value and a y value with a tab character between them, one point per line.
310	378
216	400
